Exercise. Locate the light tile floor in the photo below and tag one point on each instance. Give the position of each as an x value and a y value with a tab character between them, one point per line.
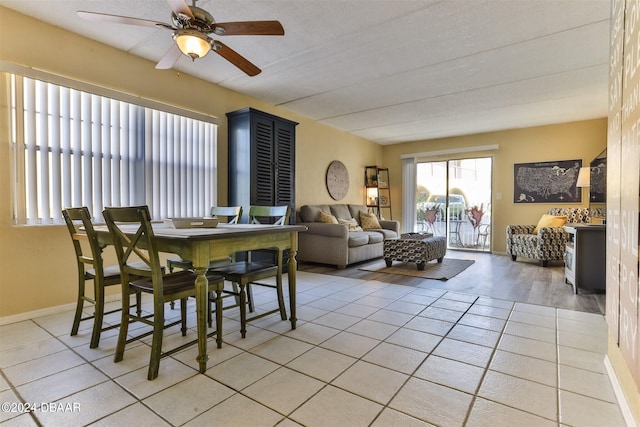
365	353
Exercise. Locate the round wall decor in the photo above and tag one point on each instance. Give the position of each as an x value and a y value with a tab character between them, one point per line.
337	180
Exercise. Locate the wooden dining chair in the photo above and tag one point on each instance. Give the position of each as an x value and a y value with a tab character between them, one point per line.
244	274
134	240
232	215
91	268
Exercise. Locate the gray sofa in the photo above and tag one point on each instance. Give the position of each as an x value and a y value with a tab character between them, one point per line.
333	243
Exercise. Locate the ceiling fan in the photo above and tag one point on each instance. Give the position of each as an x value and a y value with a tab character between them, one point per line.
191	29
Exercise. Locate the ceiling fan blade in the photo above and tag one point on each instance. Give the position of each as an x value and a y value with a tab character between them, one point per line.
236	59
181	6
104	17
170	58
249	28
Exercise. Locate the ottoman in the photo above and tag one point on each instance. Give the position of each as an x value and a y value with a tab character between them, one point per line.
415	247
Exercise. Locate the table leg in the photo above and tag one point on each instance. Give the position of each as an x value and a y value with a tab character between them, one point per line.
202	306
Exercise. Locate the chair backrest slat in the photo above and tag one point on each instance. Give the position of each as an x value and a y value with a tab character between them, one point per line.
233	213
75	218
134	241
278	215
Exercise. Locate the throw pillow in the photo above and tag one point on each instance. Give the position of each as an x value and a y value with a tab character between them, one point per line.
327	218
352	224
550	221
369	221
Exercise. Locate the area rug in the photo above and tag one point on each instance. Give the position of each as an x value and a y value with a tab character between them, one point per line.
432	270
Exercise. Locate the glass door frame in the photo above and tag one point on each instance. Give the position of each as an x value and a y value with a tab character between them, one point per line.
462	202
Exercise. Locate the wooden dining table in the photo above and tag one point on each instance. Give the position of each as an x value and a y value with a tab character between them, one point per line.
202	245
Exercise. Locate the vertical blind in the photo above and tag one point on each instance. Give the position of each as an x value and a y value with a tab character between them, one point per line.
82	149
409	195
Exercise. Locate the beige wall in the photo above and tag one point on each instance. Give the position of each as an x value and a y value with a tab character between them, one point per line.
37	268
578	140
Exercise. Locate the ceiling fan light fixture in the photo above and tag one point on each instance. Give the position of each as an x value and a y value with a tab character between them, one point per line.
192	43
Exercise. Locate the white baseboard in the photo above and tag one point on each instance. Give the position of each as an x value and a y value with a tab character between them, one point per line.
49	311
617	390
36	313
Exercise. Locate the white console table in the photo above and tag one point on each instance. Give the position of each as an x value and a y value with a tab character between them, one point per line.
584	259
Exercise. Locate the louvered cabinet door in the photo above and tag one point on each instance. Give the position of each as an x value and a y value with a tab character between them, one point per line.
285	170
261	160
263	175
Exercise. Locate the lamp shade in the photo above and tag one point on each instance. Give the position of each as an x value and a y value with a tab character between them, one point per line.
584	177
192	43
372	195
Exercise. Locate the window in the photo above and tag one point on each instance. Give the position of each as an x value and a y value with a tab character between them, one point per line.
76	148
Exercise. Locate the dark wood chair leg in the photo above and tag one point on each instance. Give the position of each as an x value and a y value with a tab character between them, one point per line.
283	311
98	314
243	310
139	304
156	343
219	316
79	307
124	325
209	316
183	316
250	297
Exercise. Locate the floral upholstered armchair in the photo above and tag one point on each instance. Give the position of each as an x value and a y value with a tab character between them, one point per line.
547	240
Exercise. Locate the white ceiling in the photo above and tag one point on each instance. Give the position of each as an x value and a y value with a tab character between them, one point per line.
390	70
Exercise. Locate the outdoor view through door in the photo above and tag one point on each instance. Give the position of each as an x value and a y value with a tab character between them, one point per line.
454	200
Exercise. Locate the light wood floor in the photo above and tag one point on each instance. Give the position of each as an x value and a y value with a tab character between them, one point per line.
495	276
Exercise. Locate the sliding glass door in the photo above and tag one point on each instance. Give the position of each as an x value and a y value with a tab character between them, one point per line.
454	200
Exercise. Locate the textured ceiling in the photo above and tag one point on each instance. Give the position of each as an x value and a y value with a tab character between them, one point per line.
390	70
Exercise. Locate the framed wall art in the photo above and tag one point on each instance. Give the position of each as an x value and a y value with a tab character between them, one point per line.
547	182
598	179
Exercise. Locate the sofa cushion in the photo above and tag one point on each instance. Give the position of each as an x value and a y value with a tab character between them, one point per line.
350	223
374	237
341	211
309	213
326	218
550	221
369	221
386	234
358	238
